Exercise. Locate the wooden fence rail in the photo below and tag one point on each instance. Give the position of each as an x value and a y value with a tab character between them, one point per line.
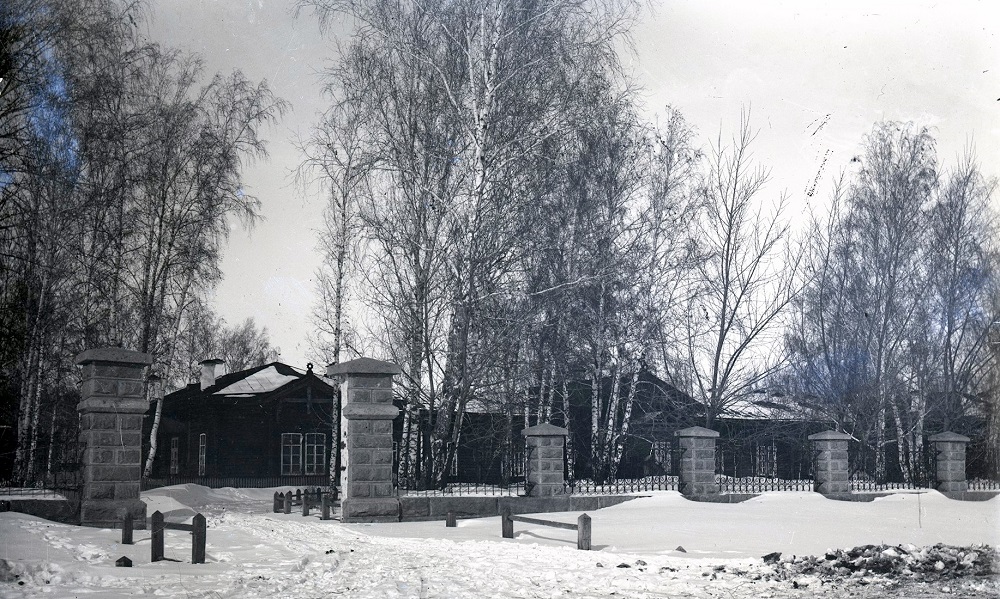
198	529
582	527
308	499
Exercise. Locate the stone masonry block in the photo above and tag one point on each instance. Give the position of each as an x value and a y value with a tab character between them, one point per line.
355	381
99	388
382	490
128	457
131	388
382	427
949	475
953	486
98	421
360	490
130	422
550	453
381	395
127	490
381	457
359	395
112	371
99	491
111	473
369	441
703	477
359	427
361	456
371	510
117	439
98	455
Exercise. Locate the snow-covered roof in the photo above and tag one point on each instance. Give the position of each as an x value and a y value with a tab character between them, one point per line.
263	381
761	409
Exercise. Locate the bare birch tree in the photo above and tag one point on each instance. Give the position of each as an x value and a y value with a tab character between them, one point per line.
748	278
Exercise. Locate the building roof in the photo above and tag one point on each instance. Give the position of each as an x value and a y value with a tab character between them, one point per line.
763	409
253	382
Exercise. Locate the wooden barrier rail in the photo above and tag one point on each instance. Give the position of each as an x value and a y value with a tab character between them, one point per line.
308	499
198	529
582	527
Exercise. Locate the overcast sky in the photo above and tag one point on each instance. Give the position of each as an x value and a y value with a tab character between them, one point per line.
814	79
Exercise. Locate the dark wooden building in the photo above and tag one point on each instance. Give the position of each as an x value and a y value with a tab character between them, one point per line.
265	425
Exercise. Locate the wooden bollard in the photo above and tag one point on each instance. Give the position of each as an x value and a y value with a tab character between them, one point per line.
506	524
298	495
277	502
450	521
288	503
156	551
325	503
305	503
583	532
127	530
199	532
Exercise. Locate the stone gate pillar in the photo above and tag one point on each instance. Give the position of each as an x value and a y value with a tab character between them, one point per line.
950	466
697	475
366	392
545	450
830	467
112	403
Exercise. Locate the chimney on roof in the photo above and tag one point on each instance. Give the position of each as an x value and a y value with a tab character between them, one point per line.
210	369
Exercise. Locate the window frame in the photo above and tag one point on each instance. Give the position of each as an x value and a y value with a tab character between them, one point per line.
310	465
293	465
175	455
202	454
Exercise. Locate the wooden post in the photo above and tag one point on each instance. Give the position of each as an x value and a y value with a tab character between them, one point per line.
450	522
326	507
156	552
583	532
127	529
305	503
298	495
506	524
277	502
288	502
198	537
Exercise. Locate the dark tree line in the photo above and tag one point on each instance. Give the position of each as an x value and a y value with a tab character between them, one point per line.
504	225
120	175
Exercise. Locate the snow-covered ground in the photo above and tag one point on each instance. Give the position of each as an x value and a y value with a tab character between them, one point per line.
255	553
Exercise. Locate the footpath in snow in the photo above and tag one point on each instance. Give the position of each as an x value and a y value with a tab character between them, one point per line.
255	553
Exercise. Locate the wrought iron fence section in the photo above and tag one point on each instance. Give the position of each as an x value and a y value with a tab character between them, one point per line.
761	465
891	469
984	484
622	486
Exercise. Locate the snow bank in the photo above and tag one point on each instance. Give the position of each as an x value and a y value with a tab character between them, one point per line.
254	553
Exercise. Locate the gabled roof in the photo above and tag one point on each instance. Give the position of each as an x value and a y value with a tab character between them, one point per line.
252	382
764	409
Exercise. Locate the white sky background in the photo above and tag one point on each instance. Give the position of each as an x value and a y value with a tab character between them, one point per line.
816	79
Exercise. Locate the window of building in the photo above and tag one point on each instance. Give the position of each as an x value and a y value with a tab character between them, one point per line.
202	452
291	454
174	455
315	453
